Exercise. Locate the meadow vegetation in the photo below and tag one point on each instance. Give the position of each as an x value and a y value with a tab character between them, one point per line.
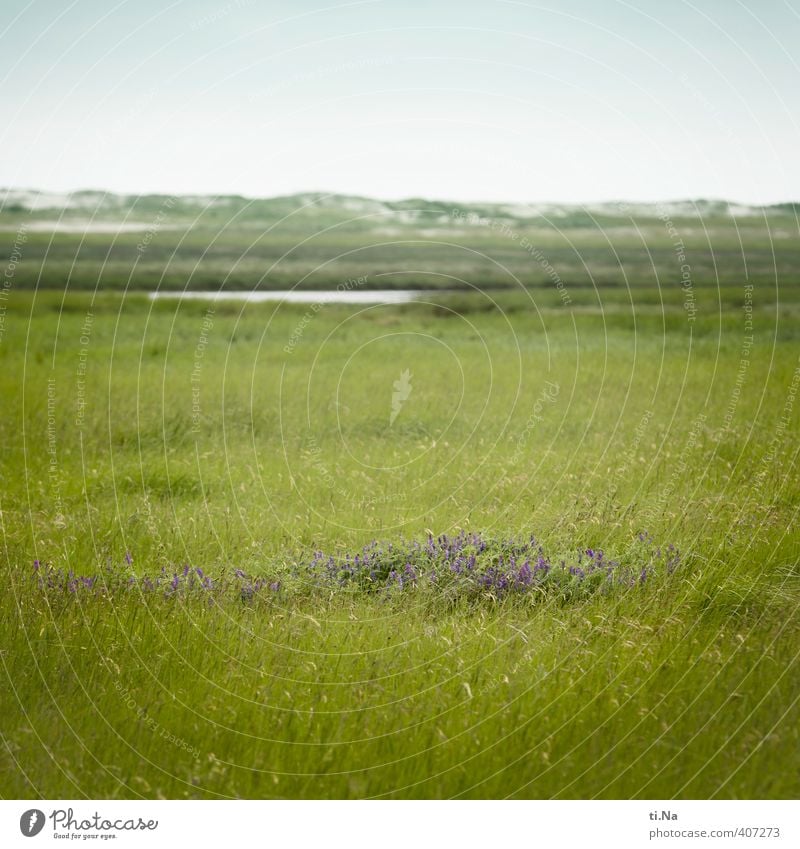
142	441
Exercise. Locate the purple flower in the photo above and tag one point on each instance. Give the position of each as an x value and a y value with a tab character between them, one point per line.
463	564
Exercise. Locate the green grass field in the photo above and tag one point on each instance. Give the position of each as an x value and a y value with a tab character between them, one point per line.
247	437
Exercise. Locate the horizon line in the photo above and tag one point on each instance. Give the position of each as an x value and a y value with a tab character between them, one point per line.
321	194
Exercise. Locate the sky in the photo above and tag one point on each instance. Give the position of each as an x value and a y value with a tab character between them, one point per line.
572	101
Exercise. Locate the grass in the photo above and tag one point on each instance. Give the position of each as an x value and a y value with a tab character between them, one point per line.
254	436
283	243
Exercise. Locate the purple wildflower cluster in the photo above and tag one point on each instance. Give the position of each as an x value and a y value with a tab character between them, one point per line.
176	583
466	564
471	563
112	579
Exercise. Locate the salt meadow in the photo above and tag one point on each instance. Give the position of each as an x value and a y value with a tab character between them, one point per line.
474	541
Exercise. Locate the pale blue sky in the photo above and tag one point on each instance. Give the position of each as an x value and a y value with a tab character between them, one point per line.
572	101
